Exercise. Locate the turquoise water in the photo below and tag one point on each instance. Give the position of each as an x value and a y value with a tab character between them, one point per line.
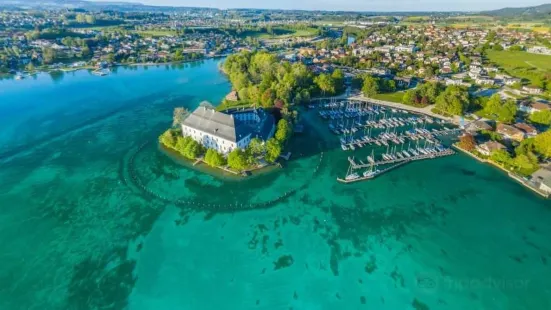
94	216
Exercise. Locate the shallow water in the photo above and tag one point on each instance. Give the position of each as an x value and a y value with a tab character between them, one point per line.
94	216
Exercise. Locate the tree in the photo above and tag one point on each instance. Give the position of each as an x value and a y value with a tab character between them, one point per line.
524	162
214	159
193	149
283	130
467	142
237	160
501	157
273	150
508	111
454	100
541	117
90	19
526	146
338	78
370	86
167	139
267	99
325	83
178	117
493	105
542	143
49	55
256	147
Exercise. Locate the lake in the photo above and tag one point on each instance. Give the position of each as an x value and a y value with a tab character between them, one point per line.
94	216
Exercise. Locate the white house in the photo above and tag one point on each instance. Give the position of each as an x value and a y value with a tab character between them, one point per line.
225	132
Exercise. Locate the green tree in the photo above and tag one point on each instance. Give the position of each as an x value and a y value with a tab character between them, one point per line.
273	150
370	86
256	147
454	100
325	83
49	55
493	105
525	147
338	78
501	157
541	117
542	143
214	159
237	160
283	131
167	139
508	112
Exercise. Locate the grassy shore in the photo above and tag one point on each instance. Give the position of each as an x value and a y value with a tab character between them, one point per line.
392	97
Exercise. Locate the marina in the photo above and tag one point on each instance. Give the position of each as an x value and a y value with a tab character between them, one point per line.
393	136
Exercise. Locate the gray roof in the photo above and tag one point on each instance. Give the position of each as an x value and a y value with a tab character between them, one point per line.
215	123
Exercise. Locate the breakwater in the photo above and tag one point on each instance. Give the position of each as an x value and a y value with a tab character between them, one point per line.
201	205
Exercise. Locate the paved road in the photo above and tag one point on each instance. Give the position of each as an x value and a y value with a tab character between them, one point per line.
425	110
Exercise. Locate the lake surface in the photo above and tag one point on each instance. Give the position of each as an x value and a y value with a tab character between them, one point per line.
94	216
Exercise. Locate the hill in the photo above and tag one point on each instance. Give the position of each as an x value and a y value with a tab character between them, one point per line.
540	11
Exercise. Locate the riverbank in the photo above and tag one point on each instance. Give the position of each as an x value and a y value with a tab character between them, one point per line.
517	178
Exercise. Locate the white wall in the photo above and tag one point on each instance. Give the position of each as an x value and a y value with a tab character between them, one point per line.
213	142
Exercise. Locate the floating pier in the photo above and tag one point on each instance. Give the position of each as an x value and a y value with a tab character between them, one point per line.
355	165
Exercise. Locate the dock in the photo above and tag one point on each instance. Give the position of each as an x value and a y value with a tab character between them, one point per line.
374	175
355	165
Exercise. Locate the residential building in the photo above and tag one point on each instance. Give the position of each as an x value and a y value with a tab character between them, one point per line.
510	132
532	90
226	131
489	147
529	130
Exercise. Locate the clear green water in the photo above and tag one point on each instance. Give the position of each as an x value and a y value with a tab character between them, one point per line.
93	216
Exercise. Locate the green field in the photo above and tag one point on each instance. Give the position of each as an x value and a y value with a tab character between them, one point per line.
280	33
393	97
524	65
156	33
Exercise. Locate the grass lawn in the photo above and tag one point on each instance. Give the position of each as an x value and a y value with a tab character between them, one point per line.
232	104
156	33
393	97
280	33
522	64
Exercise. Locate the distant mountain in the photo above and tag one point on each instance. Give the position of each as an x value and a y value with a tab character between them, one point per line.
540	11
88	5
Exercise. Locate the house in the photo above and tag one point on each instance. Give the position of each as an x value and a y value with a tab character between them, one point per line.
542	179
403	82
529	130
476	126
532	90
489	147
226	131
484	81
532	107
510	132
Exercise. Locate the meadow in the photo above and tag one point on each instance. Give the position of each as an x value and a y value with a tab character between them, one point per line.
532	67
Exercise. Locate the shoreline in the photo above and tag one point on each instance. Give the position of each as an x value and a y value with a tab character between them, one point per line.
92	68
509	173
199	165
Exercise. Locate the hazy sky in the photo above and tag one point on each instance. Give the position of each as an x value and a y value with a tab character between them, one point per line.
351	5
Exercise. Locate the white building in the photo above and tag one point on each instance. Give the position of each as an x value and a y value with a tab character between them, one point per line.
225	132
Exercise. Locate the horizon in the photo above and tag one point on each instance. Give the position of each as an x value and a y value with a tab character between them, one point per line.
402	6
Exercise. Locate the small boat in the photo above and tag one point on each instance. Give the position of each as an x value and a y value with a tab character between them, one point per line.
19	77
352	176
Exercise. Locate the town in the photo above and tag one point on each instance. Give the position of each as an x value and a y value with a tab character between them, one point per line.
493	82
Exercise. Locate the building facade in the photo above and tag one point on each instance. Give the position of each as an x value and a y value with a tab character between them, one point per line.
226	131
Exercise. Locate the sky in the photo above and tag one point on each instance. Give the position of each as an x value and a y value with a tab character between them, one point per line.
350	5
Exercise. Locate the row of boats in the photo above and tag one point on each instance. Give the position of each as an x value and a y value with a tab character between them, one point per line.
412	152
417	134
